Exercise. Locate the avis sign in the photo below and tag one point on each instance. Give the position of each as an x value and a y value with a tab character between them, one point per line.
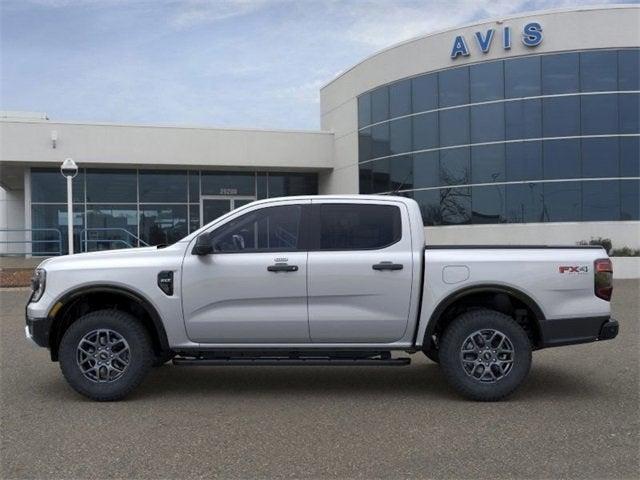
531	37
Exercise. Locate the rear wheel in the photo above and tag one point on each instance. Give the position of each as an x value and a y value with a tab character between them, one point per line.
485	355
105	354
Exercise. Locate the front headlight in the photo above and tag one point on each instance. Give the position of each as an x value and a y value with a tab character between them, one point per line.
38	283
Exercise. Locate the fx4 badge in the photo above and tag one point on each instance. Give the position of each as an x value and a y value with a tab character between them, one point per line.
573	269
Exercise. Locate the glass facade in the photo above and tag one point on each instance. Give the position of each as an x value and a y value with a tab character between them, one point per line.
115	208
544	138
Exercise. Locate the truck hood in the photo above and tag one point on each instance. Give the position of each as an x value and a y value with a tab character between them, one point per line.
106	256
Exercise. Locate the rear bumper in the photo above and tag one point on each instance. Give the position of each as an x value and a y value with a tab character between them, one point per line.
609	330
570	331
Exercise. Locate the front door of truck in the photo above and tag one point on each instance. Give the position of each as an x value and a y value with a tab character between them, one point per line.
253	288
360	272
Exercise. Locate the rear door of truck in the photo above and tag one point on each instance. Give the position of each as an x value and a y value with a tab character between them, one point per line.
359	271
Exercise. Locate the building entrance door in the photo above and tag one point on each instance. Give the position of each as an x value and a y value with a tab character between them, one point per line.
214	206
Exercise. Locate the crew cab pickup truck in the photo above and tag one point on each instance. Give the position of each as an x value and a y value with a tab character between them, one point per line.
318	280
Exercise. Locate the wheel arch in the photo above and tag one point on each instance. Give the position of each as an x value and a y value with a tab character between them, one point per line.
105	295
493	293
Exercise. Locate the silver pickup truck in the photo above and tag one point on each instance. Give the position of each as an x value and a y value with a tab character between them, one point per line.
322	280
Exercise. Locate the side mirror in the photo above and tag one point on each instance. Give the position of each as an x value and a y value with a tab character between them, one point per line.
203	245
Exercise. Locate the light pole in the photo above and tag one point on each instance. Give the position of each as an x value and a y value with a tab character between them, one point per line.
69	169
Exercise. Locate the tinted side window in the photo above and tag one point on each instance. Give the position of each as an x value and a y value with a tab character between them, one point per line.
273	229
629	69
106	186
454	87
524	202
365	145
163	186
380	140
48	185
454	127
400	135
400	99
380	104
426	169
599	71
381	169
560	73
425	131
562	202
366	178
522	77
364	110
523	119
487	123
424	93
599	114
561	116
561	159
487	164
523	161
358	226
486	81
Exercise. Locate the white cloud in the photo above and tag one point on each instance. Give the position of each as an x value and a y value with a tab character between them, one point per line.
217	62
79	3
308	92
196	12
381	23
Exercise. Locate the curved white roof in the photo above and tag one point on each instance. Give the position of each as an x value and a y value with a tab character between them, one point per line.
480	22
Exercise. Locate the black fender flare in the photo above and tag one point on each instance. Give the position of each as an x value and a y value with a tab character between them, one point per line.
71	296
486	288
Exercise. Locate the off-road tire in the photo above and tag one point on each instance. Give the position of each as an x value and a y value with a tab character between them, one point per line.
451	346
432	354
140	359
162	358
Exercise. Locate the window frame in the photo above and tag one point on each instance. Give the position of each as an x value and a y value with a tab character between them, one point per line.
304	228
315	223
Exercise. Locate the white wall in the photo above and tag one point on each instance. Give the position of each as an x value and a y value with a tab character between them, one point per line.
622	234
29	142
625	268
11	217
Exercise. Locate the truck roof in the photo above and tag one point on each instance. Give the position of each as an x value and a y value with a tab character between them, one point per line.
340	197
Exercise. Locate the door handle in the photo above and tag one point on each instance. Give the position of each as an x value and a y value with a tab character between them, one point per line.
282	267
387	266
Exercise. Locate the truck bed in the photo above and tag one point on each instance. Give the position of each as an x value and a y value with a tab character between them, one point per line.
512	247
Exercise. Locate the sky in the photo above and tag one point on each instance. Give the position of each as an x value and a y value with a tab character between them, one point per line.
220	63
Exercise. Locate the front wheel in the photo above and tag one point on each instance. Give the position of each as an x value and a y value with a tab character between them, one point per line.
162	358
105	354
485	355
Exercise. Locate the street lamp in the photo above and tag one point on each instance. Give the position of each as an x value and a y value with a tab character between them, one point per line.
69	169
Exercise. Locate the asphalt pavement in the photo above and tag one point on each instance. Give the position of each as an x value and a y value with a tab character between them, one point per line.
577	416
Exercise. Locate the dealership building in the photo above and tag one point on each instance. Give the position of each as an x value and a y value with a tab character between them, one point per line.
516	130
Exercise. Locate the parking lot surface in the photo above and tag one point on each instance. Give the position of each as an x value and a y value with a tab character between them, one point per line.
576	417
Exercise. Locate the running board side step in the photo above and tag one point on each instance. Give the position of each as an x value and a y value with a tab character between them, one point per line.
284	361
